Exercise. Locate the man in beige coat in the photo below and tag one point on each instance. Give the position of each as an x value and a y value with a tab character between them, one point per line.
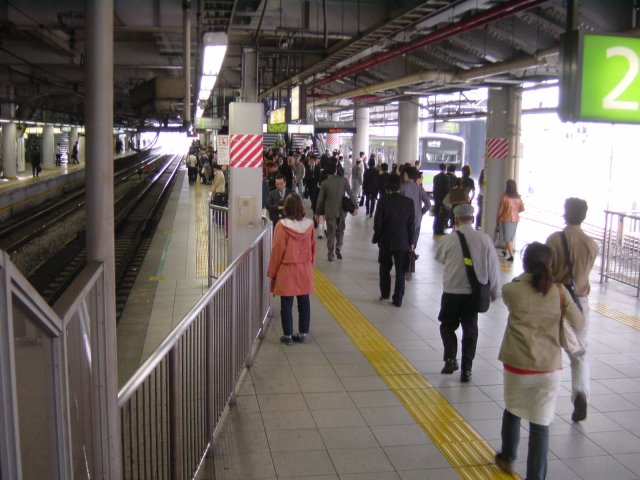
582	253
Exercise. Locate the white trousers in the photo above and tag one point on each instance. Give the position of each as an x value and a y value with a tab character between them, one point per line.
580	367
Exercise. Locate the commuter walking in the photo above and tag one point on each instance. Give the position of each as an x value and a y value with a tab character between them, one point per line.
456	305
58	155
357	174
192	168
411	189
218	187
532	358
298	175
291	268
574	254
329	207
440	190
275	199
370	187
393	231
36	167
508	216
74	153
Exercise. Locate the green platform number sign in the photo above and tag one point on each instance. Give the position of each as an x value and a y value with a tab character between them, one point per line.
610	79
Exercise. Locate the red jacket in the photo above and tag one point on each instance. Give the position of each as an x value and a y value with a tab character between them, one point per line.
292	257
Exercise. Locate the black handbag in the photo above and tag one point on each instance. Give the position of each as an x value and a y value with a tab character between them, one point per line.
480	292
347	205
571	287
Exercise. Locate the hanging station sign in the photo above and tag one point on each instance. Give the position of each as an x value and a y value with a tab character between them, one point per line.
600	78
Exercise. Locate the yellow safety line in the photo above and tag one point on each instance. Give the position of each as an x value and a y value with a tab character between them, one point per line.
202	230
614	314
459	443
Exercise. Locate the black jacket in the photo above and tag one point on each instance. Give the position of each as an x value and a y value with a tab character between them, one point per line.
370	181
393	227
440	187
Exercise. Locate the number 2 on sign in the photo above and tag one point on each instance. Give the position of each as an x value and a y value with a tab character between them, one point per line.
610	101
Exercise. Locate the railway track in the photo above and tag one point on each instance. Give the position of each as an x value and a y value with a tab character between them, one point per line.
137	212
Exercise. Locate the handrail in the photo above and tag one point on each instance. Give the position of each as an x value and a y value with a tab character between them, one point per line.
147	367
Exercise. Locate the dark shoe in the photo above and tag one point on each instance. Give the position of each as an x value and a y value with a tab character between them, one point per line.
325	233
396	303
338	255
300	338
579	408
465	376
320	237
371	215
503	465
510	259
383	298
416	256
408	276
330	258
286	339
450	366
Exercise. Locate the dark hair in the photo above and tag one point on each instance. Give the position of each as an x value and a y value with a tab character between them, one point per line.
451	168
392	183
371	163
384	167
331	168
412	172
442	166
466	171
537	261
280	177
512	189
293	207
575	210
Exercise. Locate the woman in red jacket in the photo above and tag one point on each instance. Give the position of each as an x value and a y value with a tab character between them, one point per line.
291	267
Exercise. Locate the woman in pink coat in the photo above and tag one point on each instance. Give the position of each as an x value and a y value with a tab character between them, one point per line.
508	216
291	267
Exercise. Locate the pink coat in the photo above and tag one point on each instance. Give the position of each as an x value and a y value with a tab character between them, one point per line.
510	208
292	257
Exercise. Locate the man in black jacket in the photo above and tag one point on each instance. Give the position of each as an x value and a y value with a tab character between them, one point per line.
440	190
275	200
393	231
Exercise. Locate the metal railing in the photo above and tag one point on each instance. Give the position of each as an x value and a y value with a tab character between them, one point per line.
173	404
53	380
621	248
218	241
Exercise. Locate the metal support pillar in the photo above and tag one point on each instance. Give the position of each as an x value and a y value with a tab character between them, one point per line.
249	89
407	132
503	122
48	154
9	157
100	231
361	137
186	27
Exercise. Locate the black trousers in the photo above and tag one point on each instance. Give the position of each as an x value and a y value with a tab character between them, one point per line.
370	202
440	220
387	260
456	310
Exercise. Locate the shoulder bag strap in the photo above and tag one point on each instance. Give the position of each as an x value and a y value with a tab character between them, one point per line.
468	262
565	246
561	292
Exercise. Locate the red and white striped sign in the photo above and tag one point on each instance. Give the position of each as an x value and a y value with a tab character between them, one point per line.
497	148
246	151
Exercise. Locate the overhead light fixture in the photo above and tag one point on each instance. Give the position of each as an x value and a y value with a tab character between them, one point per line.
214	47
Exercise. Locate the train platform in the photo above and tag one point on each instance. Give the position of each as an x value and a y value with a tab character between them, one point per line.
364	398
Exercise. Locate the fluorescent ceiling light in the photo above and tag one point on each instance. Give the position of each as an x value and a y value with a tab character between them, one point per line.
207	82
204	95
212	59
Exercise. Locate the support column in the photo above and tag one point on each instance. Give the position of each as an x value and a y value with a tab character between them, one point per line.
48	154
503	123
9	157
100	230
186	40
407	132
249	89
20	154
361	137
73	137
245	184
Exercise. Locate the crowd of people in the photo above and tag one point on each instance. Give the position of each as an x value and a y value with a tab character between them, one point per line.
552	289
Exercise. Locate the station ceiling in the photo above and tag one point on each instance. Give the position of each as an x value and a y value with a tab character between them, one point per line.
347	52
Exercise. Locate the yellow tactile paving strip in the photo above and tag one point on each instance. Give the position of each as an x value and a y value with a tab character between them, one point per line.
614	314
459	443
202	230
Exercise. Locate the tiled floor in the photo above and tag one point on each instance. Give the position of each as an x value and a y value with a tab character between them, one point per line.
320	411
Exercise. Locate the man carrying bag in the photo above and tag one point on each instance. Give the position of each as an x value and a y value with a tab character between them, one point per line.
458	305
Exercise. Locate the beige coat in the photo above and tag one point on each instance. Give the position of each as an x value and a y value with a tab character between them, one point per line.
531	340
